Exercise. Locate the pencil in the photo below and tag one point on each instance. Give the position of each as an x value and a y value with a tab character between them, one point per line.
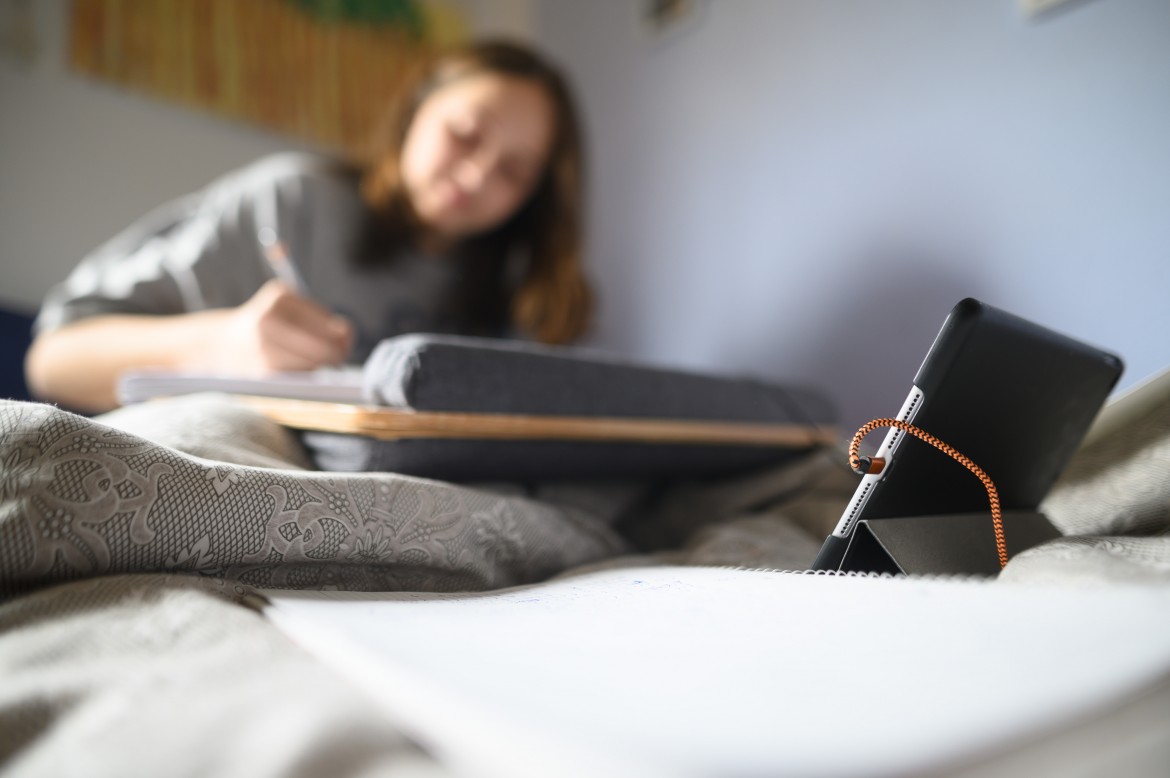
280	262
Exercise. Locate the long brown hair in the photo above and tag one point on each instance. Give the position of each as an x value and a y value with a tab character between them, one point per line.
551	299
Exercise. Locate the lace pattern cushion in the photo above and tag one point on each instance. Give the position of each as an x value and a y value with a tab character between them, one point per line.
80	498
1119	484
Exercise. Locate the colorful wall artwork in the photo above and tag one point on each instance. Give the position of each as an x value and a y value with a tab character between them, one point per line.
320	70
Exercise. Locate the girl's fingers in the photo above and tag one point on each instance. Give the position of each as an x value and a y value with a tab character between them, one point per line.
296	333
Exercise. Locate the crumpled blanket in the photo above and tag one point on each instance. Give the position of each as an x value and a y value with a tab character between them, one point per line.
156	675
232	498
153	674
111	665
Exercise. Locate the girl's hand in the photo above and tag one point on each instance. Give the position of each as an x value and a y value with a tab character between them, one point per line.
276	330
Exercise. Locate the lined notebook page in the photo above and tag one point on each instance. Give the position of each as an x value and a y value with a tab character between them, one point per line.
708	671
327	384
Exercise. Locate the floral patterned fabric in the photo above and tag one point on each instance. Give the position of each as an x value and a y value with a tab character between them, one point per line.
1119	483
81	498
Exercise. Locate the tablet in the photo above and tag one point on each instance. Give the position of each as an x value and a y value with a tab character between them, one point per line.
1014	397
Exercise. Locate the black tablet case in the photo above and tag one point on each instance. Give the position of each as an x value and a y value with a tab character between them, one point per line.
1014	397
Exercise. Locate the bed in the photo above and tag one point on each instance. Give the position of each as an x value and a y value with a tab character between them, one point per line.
131	546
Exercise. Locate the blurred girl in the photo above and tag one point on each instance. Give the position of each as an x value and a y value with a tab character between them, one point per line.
466	220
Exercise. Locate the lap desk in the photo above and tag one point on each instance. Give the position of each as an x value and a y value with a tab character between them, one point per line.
464	408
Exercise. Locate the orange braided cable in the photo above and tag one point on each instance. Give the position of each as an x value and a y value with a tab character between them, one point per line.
874	465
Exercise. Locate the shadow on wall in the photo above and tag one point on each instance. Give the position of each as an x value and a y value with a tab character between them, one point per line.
873	330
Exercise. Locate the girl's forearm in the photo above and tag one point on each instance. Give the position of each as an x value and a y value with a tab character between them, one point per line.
78	365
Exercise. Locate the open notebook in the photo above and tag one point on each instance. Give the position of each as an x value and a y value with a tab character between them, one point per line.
337	385
675	671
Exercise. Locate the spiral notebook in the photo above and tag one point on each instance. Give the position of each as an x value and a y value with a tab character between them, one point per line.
692	671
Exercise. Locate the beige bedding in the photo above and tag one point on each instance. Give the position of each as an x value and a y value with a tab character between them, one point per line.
126	542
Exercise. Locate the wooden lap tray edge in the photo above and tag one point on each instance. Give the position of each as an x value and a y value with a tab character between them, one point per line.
384	423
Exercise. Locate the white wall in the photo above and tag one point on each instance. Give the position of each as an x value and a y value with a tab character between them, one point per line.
80	159
802	188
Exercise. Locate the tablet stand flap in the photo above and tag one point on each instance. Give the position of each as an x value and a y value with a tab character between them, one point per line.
961	544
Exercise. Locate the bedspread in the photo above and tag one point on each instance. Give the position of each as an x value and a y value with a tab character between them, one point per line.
230	498
156	675
126	543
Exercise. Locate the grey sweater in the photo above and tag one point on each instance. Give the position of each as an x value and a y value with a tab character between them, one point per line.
203	251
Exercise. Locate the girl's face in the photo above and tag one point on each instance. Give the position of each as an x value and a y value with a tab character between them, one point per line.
474	152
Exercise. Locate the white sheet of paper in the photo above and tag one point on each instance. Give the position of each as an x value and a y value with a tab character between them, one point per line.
340	384
710	671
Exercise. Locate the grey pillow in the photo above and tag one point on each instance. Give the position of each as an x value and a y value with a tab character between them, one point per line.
462	374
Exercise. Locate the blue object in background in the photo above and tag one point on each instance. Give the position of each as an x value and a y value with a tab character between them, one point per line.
15	338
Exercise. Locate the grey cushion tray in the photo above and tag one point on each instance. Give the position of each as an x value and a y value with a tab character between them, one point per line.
564	401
